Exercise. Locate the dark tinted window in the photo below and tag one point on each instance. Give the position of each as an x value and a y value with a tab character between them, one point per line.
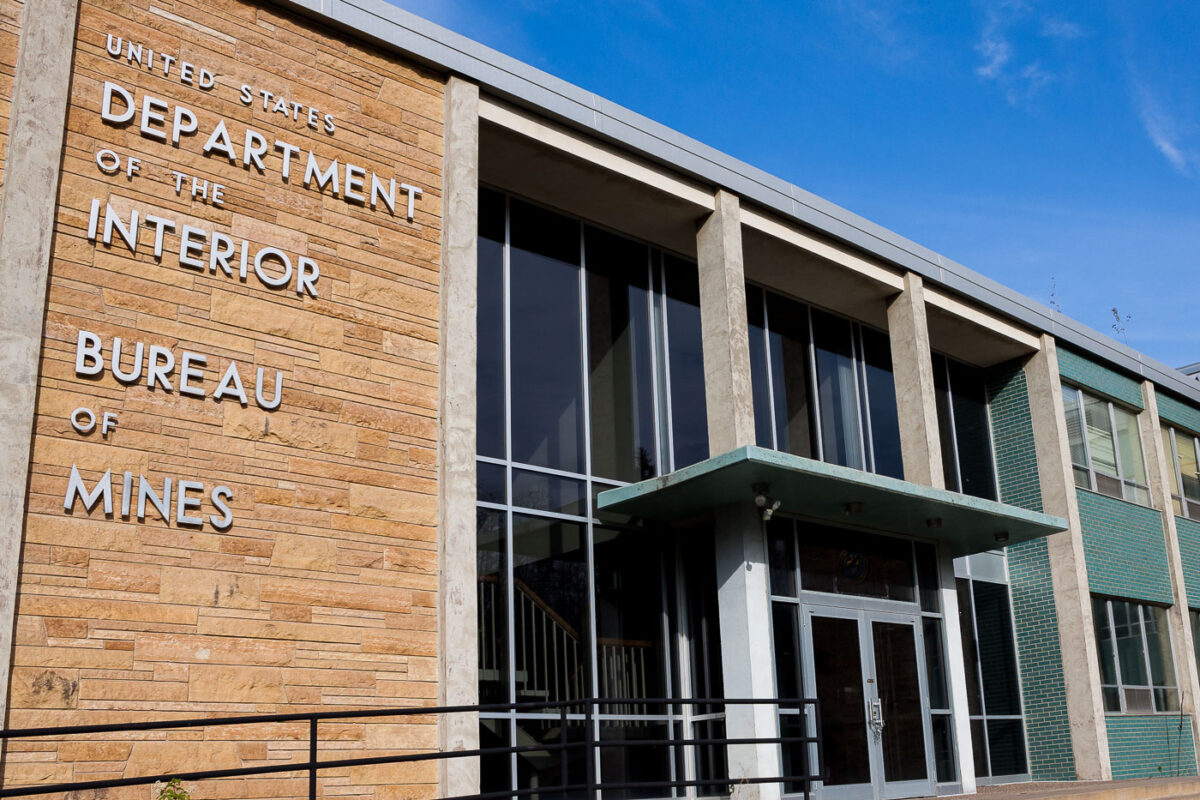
490	319
689	415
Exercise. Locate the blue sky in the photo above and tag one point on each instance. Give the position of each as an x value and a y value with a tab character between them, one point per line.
1052	147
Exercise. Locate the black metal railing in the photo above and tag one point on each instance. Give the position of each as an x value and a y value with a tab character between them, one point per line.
810	754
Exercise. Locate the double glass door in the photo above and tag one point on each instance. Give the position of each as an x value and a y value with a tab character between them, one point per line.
868	672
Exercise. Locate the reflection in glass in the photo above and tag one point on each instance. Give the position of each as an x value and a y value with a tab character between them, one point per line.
997	653
636	763
881	403
838	667
787	348
763	434
781	556
491	482
1006	746
851	562
489	368
900	695
786	636
935	663
550	768
943	747
544	492
689	414
546	373
495	769
972	434
1075	436
619	349
969	647
837	393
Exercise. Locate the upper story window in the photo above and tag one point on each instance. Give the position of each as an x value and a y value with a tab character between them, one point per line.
1106	448
1137	669
1182	450
967	459
589	355
823	385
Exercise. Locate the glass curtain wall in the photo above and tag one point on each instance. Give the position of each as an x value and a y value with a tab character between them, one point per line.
993	684
584	339
823	385
1137	667
1182	450
967	457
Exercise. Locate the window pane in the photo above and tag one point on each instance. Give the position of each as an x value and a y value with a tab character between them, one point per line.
689	416
997	654
969	646
634	763
489	367
1158	640
1104	641
1006	746
836	390
927	575
1100	435
787	650
943	748
546	353
491	482
1195	618
493	607
550	630
850	562
1074	428
704	634
622	398
543	492
495	770
544	768
971	430
935	663
1129	441
881	399
1131	656
1188	468
788	346
979	748
630	621
780	543
941	388
758	367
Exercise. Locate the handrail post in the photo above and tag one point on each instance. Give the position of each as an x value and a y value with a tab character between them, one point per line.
562	754
312	758
590	750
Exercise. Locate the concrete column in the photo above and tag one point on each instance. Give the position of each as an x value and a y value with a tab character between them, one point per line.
1068	572
741	557
36	129
727	387
1160	470
916	401
458	634
748	669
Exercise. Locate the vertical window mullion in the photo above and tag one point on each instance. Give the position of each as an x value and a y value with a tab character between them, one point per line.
666	353
655	391
865	436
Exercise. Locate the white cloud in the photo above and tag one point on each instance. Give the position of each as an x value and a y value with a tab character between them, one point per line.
1061	29
1162	128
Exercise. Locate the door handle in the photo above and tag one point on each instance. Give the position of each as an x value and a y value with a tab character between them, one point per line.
877	721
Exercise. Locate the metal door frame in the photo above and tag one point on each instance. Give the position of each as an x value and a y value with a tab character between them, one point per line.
843	607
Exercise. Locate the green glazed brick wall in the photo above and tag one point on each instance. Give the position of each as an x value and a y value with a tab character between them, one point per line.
1125	549
1188	534
1089	374
1047	729
1178	413
1150	745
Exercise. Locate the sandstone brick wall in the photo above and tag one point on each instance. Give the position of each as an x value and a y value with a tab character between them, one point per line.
10	28
322	594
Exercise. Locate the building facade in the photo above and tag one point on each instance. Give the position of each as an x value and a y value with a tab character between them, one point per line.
352	365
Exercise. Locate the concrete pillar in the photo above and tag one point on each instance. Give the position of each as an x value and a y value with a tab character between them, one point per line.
1068	572
741	557
727	386
748	669
1160	471
916	401
36	129
921	451
458	635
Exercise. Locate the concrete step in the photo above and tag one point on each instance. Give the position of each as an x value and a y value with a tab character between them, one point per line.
1142	789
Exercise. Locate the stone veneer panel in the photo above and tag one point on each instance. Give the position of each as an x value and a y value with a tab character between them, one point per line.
1047	728
323	592
1150	745
1125	548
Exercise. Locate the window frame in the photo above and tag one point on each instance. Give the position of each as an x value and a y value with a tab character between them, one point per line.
1182	502
1120	685
1093	485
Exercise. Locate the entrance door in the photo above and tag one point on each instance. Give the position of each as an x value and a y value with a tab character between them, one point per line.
867	670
